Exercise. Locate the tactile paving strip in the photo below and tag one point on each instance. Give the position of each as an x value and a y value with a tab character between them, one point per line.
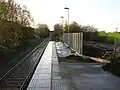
57	81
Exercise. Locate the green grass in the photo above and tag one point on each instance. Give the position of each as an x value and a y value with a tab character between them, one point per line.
114	35
108	37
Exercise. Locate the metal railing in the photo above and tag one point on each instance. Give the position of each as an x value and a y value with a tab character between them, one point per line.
75	41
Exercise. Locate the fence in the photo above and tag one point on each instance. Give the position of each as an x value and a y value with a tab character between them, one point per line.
75	41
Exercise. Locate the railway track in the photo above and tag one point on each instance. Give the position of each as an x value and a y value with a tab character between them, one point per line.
100	45
18	77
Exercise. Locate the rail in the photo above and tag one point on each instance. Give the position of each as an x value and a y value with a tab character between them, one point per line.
18	76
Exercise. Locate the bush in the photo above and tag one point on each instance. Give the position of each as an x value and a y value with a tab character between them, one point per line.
113	57
13	34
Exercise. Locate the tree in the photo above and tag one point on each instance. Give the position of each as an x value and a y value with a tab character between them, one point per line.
66	27
89	28
11	11
25	17
42	30
58	30
10	33
15	24
74	27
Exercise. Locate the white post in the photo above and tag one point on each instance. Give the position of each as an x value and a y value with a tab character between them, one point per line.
62	37
115	45
68	29
68	25
81	46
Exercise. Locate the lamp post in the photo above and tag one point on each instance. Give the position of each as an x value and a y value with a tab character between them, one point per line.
68	24
62	26
115	45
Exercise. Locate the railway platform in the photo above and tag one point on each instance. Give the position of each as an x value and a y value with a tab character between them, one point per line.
47	71
47	74
53	73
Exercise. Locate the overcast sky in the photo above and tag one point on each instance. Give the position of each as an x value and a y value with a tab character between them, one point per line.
103	14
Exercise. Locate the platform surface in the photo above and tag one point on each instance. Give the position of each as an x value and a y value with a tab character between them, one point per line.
62	50
41	79
85	75
54	74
